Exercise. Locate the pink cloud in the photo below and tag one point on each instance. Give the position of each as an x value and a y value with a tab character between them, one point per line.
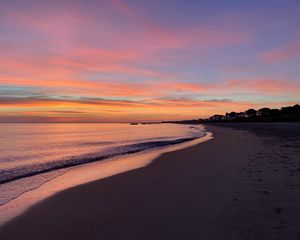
285	53
178	37
267	86
62	56
107	87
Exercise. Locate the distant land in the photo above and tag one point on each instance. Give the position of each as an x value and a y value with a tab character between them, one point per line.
285	114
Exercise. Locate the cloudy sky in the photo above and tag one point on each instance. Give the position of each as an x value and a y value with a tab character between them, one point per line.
125	60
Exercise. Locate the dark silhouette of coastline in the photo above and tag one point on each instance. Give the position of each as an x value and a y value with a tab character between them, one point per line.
285	114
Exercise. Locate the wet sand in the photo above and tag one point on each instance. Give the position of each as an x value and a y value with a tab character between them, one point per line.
243	184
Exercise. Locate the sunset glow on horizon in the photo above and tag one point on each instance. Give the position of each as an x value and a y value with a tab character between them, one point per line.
130	60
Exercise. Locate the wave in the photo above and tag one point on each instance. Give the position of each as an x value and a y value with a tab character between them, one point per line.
7	175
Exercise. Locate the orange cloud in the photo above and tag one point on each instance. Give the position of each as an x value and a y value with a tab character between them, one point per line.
162	88
47	109
104	88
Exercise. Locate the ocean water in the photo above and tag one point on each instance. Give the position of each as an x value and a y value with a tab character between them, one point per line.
32	154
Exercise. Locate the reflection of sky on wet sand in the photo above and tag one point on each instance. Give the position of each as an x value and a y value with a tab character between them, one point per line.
84	174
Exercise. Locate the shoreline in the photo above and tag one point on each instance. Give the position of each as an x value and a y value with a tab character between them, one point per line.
242	184
85	173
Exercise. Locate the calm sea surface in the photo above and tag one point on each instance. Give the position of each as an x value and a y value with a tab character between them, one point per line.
31	154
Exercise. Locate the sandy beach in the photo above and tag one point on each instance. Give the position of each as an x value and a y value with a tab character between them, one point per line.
243	184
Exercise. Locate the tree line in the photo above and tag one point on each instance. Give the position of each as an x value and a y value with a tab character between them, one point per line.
285	114
289	113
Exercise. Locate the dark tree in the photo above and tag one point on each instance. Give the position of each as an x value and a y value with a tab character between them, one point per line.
251	112
264	111
275	112
296	108
291	109
232	115
289	113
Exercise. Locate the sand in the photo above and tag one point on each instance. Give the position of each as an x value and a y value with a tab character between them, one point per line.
243	184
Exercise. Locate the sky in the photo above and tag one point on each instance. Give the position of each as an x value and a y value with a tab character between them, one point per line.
138	60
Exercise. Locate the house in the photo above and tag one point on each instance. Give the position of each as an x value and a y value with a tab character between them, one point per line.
241	115
217	117
231	116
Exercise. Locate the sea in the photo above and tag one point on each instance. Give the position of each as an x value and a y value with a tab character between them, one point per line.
32	154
